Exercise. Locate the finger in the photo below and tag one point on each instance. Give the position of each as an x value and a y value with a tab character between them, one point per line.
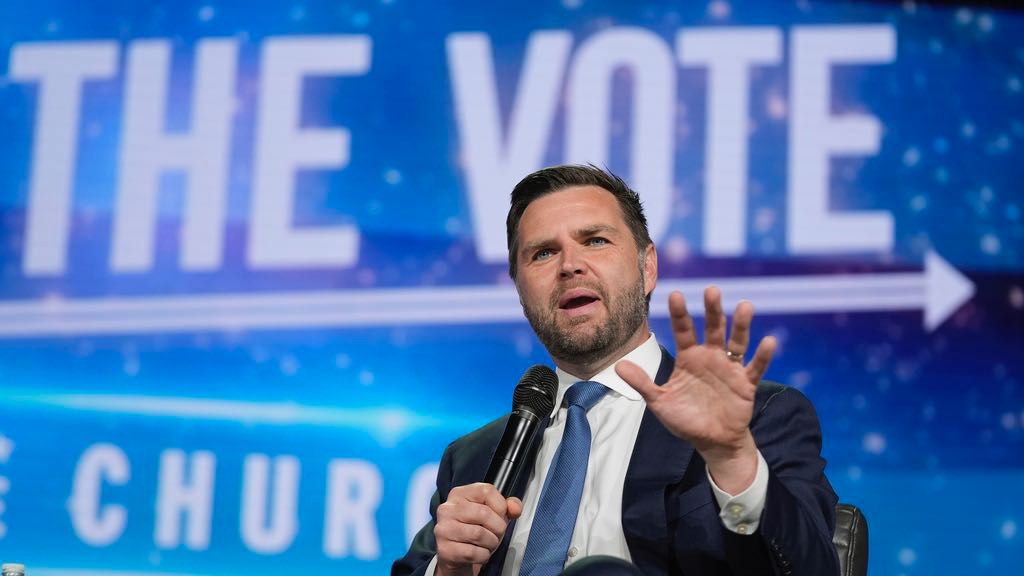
515	508
739	337
492	498
478	504
479	515
638	380
472	534
733	384
481	493
471	524
762	357
682	323
714	318
718	372
452	552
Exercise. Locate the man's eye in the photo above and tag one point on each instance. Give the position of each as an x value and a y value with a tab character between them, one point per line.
597	241
542	254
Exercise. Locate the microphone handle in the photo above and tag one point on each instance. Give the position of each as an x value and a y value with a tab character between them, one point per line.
510	456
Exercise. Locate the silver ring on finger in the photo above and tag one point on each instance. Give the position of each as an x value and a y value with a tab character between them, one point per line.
734	356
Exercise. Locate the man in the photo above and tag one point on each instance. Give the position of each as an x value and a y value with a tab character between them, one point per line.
709	471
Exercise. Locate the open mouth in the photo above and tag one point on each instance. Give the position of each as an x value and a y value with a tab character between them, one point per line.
578	302
577	299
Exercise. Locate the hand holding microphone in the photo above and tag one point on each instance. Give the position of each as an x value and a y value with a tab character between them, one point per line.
472	521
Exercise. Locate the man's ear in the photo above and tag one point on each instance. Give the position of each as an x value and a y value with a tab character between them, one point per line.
650	268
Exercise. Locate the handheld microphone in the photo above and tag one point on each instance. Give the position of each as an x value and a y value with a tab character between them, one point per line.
532	401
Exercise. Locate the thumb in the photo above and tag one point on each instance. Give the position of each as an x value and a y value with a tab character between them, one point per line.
637	380
514	508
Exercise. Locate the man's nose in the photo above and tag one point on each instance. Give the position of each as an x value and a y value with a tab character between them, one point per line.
573	262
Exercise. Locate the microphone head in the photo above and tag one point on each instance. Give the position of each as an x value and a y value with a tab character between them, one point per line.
536	391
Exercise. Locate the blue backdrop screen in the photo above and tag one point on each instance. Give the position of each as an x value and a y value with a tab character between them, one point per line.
253	269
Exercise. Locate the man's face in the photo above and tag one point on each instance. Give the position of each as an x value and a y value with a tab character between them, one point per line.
581	279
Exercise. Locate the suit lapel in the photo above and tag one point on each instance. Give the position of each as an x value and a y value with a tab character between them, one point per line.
659	459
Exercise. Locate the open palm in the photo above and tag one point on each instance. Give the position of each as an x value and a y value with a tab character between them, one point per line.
709	398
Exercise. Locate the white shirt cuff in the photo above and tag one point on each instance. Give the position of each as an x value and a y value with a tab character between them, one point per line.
742	513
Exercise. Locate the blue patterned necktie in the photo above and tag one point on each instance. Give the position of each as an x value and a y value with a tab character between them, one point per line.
555	519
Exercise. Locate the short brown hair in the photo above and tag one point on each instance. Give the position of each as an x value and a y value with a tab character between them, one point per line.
555	178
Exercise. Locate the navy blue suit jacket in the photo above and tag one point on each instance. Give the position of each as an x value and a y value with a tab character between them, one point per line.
669	512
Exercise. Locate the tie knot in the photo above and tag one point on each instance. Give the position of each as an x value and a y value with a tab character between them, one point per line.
585	394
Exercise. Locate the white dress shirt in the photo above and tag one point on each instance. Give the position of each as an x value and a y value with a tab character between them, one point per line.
614	423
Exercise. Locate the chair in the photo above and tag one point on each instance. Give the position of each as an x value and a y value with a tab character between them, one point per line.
851	540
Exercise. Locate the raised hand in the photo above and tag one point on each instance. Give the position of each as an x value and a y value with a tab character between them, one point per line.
709	399
470	526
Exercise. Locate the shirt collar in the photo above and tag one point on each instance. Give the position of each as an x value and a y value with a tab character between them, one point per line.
646	356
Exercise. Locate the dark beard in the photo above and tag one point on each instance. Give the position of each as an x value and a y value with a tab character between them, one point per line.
625	316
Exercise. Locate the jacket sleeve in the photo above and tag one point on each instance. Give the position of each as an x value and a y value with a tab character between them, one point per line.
465	461
798	520
424	546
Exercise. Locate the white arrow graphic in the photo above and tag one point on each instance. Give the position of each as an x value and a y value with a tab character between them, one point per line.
938	290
